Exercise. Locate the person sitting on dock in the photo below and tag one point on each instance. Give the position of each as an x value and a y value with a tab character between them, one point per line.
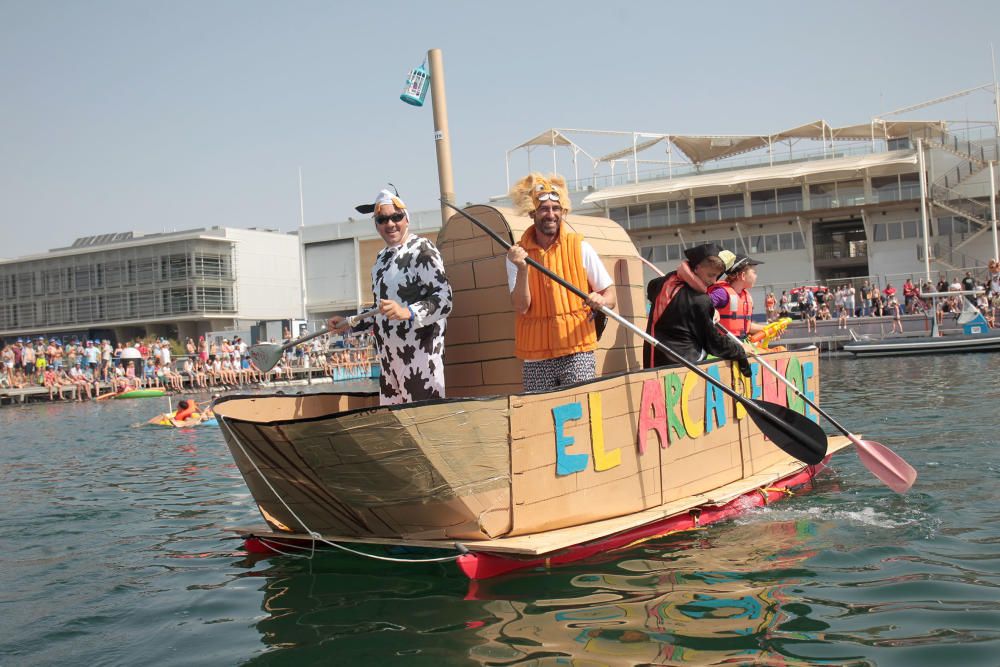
682	317
731	297
414	299
79	378
555	332
51	381
878	305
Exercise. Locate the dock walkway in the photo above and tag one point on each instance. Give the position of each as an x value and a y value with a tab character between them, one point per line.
300	376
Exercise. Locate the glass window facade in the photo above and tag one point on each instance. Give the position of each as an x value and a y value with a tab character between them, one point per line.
894	231
192	277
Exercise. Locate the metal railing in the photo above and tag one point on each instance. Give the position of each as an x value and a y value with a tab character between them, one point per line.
972	209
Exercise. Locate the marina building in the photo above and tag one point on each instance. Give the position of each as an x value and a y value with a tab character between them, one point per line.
850	207
178	284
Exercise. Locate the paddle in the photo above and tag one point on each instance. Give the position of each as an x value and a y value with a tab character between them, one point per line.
266	355
884	463
794	433
112	393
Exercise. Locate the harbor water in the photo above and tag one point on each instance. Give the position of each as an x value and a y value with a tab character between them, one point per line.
114	552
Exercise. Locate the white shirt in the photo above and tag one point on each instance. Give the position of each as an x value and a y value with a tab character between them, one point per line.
597	275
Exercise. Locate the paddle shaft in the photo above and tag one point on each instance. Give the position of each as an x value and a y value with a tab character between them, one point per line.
747	403
351	321
789	384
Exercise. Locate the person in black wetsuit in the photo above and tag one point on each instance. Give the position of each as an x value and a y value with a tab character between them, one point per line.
682	316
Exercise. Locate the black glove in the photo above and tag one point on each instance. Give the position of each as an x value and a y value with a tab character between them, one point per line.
745	367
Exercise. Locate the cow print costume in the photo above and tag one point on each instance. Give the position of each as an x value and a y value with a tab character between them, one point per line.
411	352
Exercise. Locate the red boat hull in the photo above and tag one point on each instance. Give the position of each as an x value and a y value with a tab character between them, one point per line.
484	565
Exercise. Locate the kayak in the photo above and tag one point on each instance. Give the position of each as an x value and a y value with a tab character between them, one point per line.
211	421
141	393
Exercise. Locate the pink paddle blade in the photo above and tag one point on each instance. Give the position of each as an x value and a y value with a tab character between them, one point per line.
885	464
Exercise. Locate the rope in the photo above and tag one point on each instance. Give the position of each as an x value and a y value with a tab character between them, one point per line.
316	537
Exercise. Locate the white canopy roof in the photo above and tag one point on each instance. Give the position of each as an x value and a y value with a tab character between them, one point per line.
758	177
550	137
702	148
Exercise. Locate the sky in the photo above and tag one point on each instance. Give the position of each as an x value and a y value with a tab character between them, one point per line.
159	116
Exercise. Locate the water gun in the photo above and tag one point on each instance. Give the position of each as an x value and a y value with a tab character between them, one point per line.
770	332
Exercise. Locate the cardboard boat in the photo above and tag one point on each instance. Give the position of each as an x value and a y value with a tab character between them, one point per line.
510	479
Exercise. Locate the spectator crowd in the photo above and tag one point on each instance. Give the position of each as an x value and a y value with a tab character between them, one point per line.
845	301
93	365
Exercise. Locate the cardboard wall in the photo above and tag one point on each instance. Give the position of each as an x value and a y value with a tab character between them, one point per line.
438	471
263	409
608	458
479	340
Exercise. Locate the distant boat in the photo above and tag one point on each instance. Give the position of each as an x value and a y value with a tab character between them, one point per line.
976	336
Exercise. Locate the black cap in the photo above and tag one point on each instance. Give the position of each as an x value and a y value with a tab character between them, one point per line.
698	253
741	262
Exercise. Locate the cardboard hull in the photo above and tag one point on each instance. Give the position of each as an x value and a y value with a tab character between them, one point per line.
496	468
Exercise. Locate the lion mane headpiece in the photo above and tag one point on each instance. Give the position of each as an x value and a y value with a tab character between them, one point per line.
534	188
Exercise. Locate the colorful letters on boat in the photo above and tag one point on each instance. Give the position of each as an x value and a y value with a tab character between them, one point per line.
665	413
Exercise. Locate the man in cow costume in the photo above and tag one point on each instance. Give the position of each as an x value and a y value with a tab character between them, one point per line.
413	298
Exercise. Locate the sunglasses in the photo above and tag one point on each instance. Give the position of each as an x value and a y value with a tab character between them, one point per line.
395	217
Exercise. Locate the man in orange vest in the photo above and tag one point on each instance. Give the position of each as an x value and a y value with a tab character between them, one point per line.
731	297
555	334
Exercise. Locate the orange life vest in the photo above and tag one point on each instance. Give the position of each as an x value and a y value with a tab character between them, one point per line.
735	315
184	413
558	322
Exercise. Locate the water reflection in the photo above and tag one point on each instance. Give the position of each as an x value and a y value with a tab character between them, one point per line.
705	597
694	600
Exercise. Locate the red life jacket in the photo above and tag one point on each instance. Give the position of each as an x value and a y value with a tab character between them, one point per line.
683	276
735	315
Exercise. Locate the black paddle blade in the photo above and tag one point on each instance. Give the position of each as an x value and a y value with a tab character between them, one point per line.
794	433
